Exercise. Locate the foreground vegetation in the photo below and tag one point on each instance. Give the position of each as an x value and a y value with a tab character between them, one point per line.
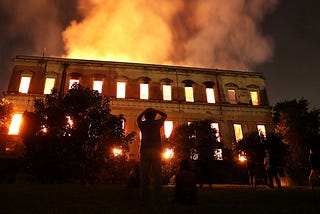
76	198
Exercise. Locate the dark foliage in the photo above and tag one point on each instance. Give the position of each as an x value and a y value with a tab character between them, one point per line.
72	137
197	142
300	129
6	111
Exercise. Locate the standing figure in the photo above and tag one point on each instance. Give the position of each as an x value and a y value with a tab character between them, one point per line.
150	151
186	184
252	169
314	158
272	169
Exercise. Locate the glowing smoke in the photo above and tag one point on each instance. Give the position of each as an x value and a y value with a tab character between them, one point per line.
204	33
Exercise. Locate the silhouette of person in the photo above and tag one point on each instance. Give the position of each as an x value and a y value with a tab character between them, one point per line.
186	184
314	159
272	169
150	151
252	169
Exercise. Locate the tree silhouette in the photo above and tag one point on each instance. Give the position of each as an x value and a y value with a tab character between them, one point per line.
6	111
299	127
75	132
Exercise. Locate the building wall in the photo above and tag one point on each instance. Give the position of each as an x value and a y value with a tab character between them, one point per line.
178	110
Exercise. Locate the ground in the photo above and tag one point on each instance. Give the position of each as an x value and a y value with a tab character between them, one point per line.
76	198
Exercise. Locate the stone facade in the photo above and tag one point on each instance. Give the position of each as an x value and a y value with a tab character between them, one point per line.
225	111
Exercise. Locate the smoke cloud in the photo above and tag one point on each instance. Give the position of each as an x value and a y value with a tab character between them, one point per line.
202	33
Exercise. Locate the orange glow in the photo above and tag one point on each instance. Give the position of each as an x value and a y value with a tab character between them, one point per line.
262	130
189	94
24	84
15	124
238	132
242	157
254	98
153	32
119	31
69	122
49	85
168	126
117	152
168	153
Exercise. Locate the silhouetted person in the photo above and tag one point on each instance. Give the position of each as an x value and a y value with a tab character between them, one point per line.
272	169
314	158
150	151
186	185
205	162
252	169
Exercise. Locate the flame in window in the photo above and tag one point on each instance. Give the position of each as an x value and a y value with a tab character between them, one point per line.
168	126
24	84
15	124
49	85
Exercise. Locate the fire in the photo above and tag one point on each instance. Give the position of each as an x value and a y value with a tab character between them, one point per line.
242	158
193	33
168	154
118	31
15	124
117	152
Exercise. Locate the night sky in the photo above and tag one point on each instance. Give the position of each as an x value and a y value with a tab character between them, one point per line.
292	73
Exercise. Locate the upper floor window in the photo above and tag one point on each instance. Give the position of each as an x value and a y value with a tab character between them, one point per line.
144	91
238	132
188	90
15	124
24	84
210	95
210	91
121	90
189	93
73	81
144	87
254	96
97	85
232	96
49	85
166	91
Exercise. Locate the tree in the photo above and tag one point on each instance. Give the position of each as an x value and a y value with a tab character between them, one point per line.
252	146
76	132
300	127
195	141
6	111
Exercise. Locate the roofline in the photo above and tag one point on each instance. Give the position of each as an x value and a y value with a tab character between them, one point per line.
130	64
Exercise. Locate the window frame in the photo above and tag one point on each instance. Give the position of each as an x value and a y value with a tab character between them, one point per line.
94	85
233	99
121	89
144	91
46	89
236	127
167	96
257	102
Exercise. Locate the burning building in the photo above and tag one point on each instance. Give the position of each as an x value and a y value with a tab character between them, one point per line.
236	101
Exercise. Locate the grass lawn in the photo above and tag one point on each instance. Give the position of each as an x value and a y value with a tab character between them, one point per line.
66	198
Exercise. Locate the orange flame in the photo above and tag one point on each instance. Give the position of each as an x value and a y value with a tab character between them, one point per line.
193	33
